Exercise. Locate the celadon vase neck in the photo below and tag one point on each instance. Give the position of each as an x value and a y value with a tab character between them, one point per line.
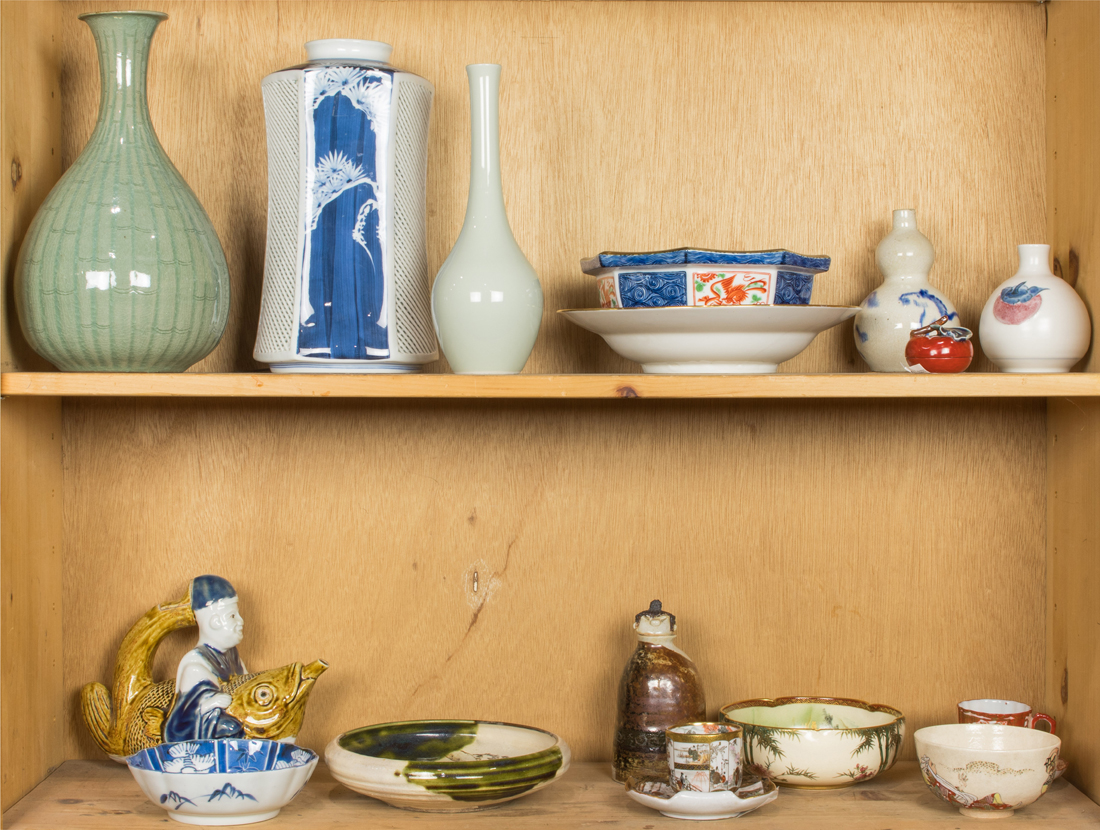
485	204
905	254
122	40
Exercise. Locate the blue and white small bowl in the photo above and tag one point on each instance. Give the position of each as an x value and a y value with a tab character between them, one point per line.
696	277
222	782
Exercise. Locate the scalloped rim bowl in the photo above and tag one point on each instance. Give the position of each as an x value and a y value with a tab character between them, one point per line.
222	782
447	766
817	742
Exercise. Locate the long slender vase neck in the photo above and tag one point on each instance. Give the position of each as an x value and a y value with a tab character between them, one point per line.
122	40
485	205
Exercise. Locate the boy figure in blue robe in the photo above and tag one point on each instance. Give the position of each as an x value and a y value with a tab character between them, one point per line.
199	713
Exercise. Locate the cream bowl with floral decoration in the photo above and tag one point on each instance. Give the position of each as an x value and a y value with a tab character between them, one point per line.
817	742
987	770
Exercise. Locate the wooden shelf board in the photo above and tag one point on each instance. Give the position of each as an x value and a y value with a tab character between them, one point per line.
82	795
867	385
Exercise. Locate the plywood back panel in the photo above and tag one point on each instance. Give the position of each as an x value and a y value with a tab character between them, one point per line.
644	125
33	720
487	560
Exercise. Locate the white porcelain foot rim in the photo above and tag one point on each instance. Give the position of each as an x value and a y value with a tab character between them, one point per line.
224	821
691	817
985	814
345	368
710	368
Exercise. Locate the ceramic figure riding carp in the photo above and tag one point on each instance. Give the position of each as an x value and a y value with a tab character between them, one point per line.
220	699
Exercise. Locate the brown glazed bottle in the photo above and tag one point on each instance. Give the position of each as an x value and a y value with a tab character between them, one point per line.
660	688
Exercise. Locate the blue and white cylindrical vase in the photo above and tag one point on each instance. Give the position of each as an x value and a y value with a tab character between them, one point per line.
346	271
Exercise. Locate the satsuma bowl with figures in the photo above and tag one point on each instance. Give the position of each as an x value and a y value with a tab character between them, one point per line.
987	770
817	742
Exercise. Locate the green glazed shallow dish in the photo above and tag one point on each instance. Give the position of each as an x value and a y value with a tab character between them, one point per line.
446	766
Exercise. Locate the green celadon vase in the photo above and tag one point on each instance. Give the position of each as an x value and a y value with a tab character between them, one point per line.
121	270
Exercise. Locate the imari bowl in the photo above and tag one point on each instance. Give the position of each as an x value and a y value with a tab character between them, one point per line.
987	770
446	766
697	277
222	782
817	742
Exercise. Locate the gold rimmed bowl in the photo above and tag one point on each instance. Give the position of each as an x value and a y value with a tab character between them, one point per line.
817	742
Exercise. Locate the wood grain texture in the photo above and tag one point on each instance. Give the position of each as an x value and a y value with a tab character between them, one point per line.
30	147
818	547
1073	579
83	795
864	385
1073	425
1073	151
644	125
32	699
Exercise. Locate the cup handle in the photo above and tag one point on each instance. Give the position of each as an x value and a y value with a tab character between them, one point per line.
1039	717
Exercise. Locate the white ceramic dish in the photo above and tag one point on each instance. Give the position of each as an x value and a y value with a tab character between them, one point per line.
705	806
987	770
817	742
446	766
222	782
726	340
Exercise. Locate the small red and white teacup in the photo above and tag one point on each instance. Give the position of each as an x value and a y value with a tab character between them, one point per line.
1009	712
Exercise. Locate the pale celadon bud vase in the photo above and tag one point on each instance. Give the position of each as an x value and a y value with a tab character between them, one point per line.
905	300
1035	321
121	269
486	300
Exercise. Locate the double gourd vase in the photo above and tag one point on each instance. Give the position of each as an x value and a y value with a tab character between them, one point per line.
121	269
904	302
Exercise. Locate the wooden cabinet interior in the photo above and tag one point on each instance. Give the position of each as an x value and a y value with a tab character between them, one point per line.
910	552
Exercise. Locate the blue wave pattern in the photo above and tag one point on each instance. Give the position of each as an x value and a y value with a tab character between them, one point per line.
646	289
697	256
344	313
927	301
793	288
224	756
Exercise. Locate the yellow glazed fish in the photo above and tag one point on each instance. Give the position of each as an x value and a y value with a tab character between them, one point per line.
269	704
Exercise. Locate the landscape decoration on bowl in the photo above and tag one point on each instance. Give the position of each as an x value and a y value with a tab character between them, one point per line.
817	742
753	794
699	277
222	782
987	770
717	340
447	766
213	696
